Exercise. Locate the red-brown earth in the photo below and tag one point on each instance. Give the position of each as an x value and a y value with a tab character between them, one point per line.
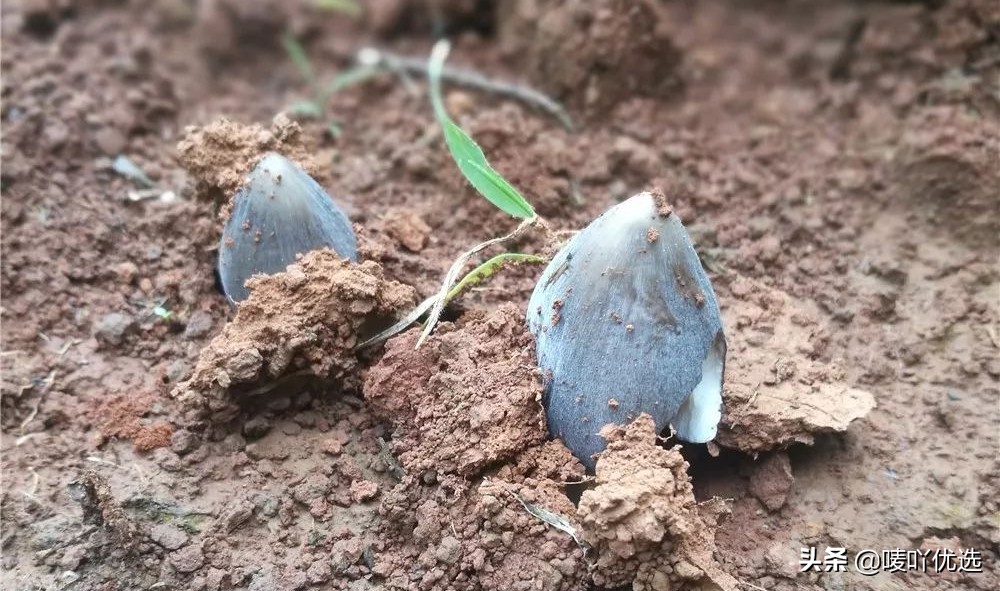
836	164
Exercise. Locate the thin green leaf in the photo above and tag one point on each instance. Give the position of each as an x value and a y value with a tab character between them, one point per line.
402	324
345	80
476	276
490	268
162	312
305	109
297	54
348	7
472	162
466	152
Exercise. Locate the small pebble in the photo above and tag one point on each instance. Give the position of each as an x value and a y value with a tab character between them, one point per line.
114	327
169	536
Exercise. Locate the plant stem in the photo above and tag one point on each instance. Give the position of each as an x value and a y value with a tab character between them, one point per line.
449	279
468	78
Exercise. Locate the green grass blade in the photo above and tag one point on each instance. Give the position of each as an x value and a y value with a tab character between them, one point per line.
346	79
467	154
490	268
305	109
297	54
349	7
472	162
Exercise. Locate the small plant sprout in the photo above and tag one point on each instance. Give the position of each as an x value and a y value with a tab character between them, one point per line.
280	212
624	316
489	183
403	66
371	62
320	92
467	154
626	322
471	161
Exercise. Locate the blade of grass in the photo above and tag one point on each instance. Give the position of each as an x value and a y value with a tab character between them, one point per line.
345	80
449	279
305	109
348	7
466	152
474	277
490	268
402	324
297	54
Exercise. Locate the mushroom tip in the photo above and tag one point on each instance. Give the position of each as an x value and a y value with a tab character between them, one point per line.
274	159
281	212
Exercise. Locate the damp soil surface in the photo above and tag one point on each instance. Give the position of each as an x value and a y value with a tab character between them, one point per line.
835	163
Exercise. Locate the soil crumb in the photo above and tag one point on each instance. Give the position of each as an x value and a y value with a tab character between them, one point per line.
307	319
407	229
468	398
642	518
121	417
772	480
777	392
663	207
221	154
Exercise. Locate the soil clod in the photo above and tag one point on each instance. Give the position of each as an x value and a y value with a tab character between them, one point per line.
309	318
642	518
467	399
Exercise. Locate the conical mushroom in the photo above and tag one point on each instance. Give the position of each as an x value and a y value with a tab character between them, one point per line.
626	322
279	213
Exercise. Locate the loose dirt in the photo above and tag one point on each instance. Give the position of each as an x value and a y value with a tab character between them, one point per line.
468	399
834	162
306	321
221	154
642	518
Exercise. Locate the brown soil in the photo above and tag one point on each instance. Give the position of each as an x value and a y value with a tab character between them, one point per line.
467	399
220	155
642	519
835	163
306	321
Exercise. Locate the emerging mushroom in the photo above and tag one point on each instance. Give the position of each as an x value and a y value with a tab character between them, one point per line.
279	213
626	322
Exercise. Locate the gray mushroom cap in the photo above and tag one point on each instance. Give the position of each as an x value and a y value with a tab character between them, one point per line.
626	322
279	213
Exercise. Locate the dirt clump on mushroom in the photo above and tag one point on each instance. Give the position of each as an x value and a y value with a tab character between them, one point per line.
642	518
307	319
221	154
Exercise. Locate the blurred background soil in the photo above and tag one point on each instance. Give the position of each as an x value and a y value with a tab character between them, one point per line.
842	155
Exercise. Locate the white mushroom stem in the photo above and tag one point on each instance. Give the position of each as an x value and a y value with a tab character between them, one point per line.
697	421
